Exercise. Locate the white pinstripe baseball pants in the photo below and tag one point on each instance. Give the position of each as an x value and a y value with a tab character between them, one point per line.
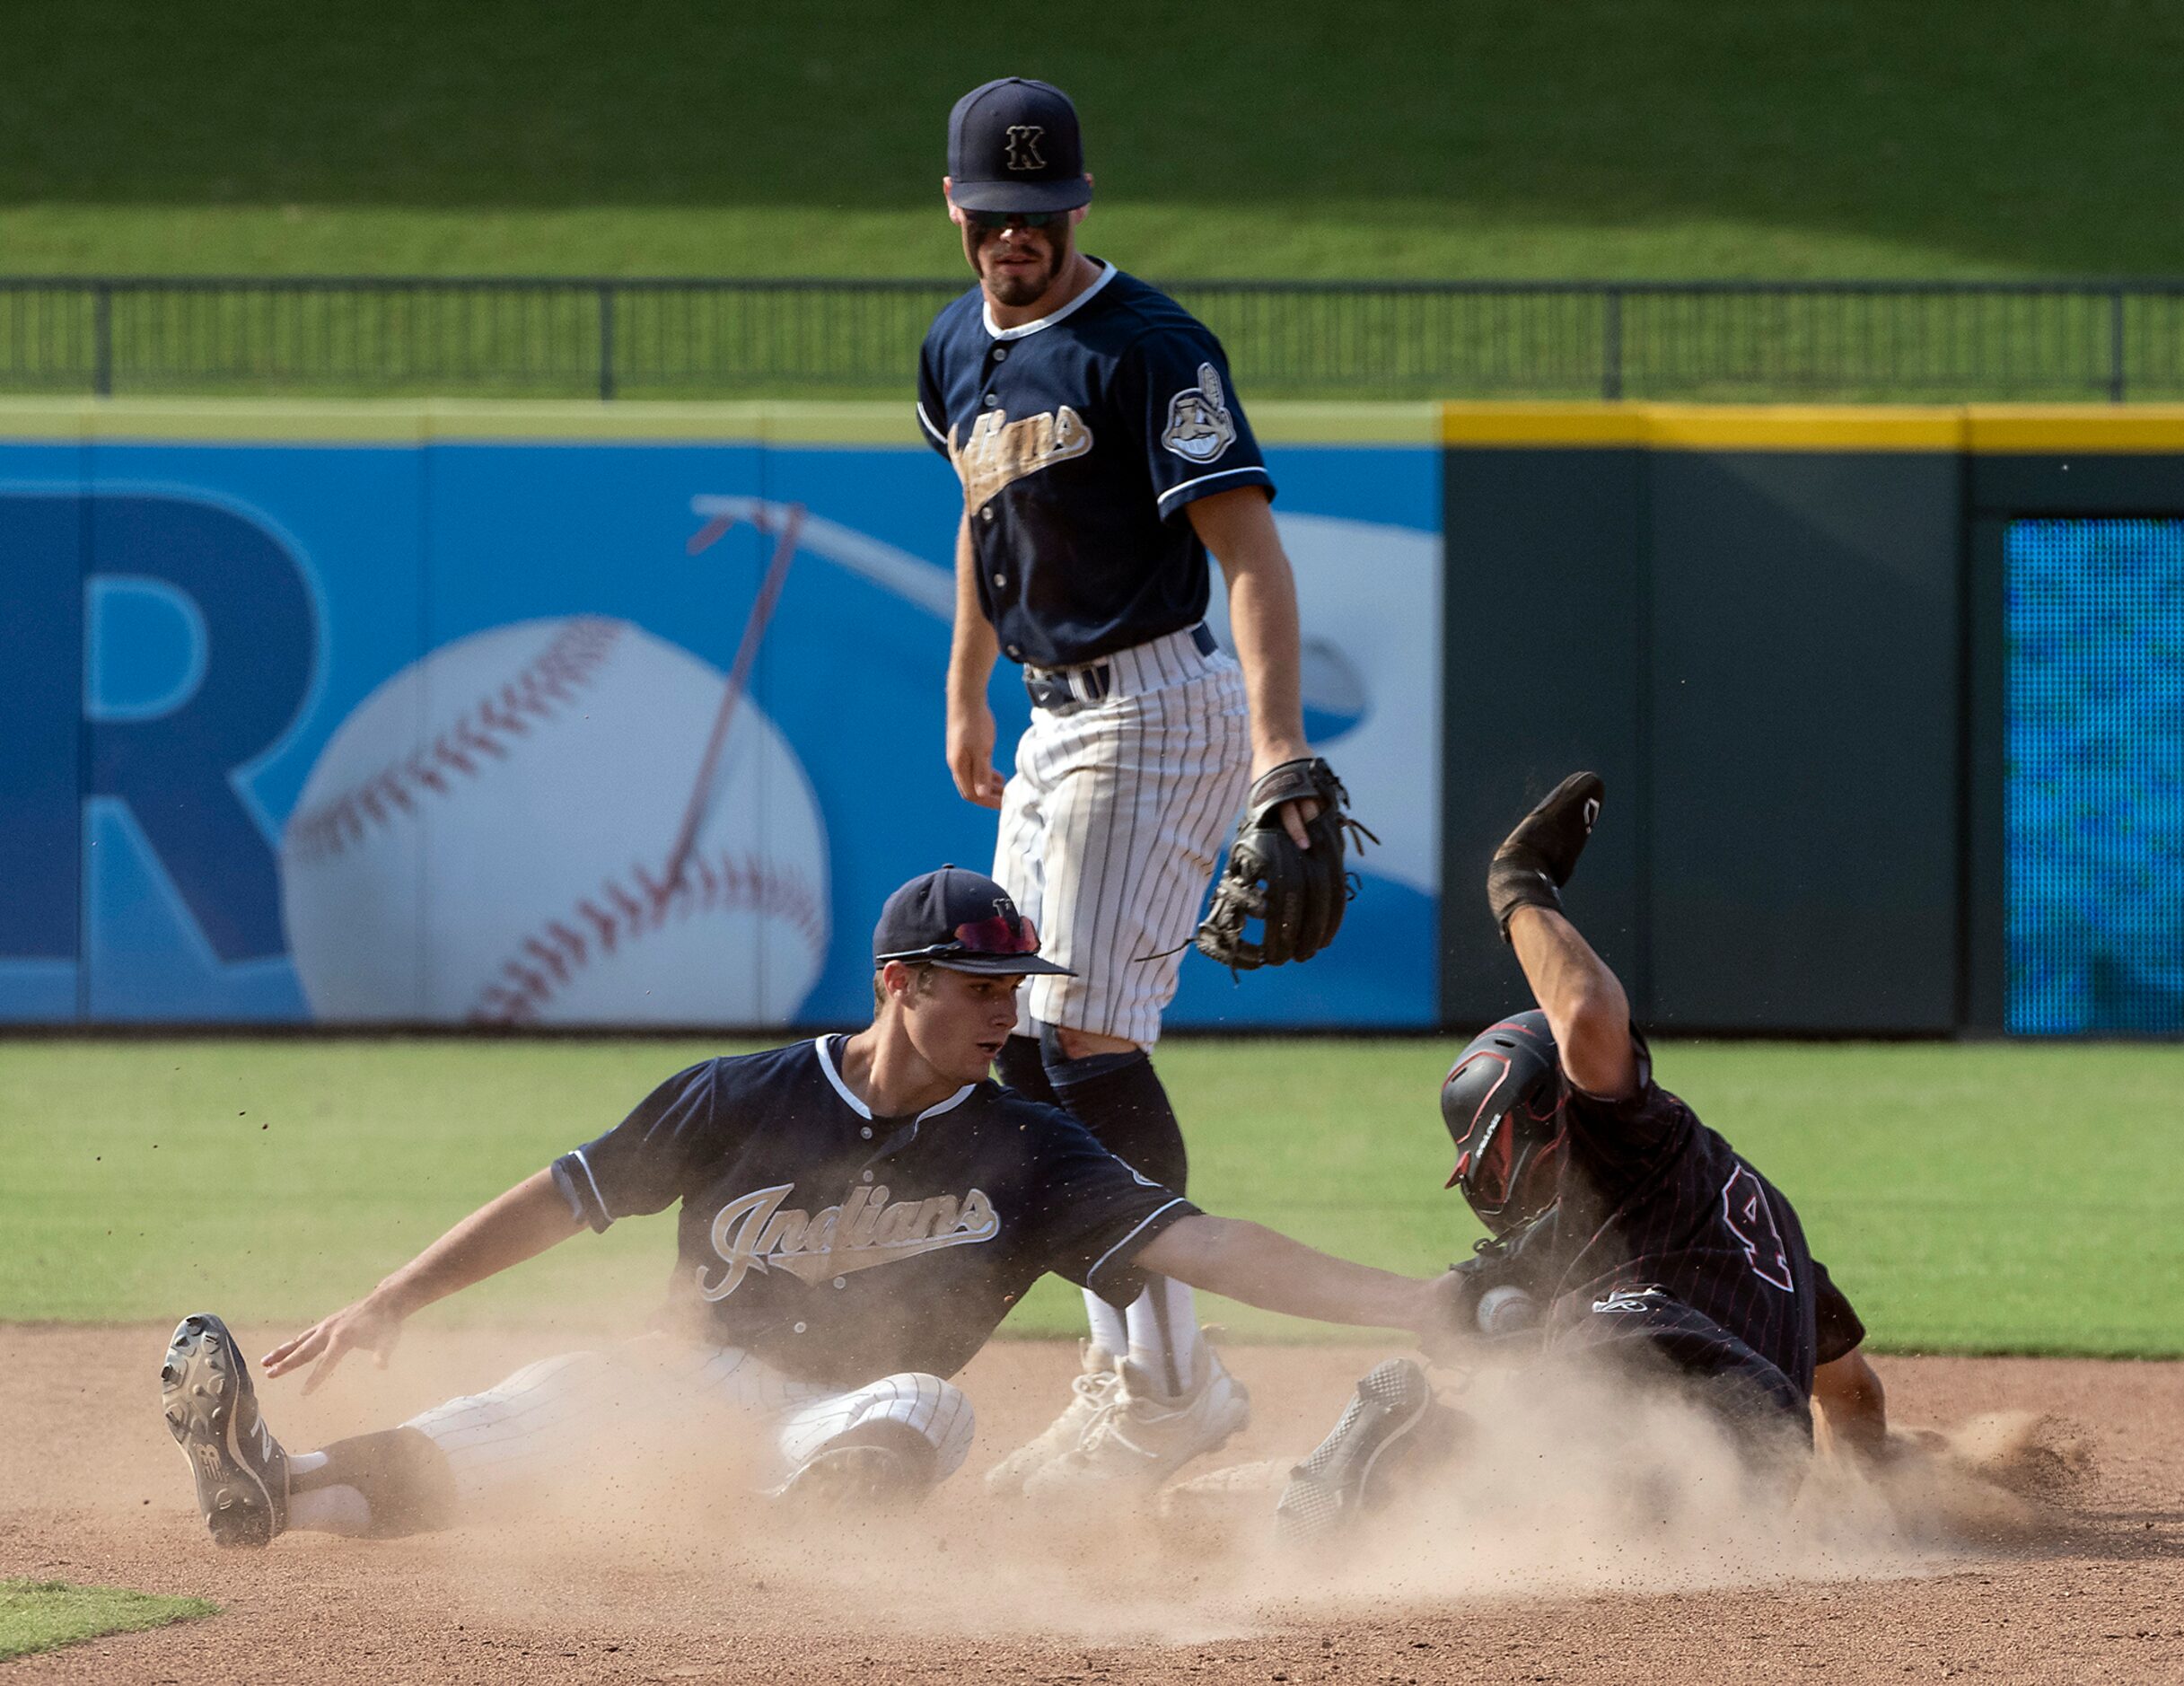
542	1421
1111	827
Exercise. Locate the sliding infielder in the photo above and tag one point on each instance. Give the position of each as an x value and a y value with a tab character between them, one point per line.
858	1213
1102	454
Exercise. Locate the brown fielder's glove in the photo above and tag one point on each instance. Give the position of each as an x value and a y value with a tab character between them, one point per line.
1298	894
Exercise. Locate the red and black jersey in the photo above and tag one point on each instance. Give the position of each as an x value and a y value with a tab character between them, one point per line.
1838	1330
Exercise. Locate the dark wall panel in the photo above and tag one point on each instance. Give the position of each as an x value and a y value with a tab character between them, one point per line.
1985	938
2133	483
1544	633
1804	700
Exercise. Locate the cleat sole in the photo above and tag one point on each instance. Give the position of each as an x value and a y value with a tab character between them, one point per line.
1330	1488
201	1390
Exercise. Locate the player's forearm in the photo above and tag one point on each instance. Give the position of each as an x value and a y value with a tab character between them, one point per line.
972	647
1584	1000
518	1224
1853	1403
1261	1267
1239	529
1263	621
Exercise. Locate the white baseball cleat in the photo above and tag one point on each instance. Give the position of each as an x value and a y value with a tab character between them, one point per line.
1089	1395
1140	1438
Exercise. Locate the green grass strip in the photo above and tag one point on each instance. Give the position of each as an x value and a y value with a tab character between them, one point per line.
45	1615
1588	138
1996	1197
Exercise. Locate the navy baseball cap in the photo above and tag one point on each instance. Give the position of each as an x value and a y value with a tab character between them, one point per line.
1013	146
961	920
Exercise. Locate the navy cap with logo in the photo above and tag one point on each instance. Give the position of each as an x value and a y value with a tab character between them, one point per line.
963	921
1013	146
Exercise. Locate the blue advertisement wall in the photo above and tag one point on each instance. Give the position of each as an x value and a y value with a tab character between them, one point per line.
407	712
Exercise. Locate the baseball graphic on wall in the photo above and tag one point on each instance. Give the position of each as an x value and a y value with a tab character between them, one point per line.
488	838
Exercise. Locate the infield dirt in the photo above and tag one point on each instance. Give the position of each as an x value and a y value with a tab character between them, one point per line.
1540	1566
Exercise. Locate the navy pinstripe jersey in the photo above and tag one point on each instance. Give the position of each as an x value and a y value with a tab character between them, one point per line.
1837	1328
1080	439
1652	1203
841	1247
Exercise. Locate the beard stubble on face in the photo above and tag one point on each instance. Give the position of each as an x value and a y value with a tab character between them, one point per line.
1016	284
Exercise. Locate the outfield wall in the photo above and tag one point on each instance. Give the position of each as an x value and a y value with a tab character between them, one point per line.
393	713
1892	700
390	712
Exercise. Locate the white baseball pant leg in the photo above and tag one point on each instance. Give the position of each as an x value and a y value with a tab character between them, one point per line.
1111	828
556	1415
1109	834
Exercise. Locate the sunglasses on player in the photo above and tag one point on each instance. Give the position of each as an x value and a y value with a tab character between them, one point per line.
1014	219
999	934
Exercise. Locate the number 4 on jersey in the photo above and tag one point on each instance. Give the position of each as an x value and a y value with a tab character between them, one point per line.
1749	1219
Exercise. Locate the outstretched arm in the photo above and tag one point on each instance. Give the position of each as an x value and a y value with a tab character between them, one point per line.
1584	1002
1261	1267
525	1221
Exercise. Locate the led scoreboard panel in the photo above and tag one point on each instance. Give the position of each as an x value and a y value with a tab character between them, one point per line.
2094	793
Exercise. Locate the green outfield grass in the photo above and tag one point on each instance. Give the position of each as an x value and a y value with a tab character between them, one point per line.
45	1615
1982	1199
1593	137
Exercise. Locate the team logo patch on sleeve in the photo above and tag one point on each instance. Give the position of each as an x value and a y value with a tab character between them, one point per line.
1199	424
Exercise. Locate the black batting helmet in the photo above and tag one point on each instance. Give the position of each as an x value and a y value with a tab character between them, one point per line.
1502	1102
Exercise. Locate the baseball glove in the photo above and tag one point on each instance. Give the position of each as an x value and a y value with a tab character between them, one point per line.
1298	895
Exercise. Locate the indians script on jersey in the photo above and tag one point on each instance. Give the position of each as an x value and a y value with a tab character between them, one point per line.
759	1232
999	451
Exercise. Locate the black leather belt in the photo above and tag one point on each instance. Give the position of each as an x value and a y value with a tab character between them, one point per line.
1066	689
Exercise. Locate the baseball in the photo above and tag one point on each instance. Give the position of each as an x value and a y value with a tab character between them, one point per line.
485	840
1506	1311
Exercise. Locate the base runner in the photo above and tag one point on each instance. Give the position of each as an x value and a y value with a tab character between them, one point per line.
1623	1229
858	1213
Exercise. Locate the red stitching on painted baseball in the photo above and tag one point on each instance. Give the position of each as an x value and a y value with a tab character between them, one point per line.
546	960
486	732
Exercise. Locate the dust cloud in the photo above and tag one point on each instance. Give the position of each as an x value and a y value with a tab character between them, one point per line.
1564	1483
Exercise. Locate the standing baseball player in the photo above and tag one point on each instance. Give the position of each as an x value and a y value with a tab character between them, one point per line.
858	1213
1623	1229
1102	454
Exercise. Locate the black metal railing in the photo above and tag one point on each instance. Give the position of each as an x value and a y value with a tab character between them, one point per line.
727	339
